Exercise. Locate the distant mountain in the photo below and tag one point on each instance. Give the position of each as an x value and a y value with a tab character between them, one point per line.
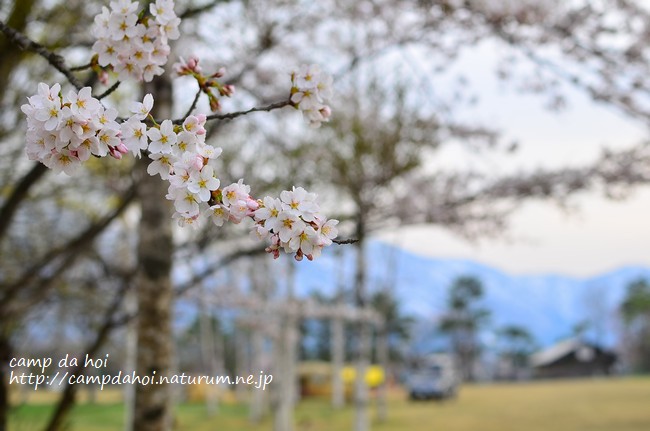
549	305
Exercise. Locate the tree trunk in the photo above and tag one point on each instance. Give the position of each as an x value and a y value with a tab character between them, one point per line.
257	398
337	344
383	360
131	346
283	420
241	361
154	288
338	359
208	353
361	420
261	288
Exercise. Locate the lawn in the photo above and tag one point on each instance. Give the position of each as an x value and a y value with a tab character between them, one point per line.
601	404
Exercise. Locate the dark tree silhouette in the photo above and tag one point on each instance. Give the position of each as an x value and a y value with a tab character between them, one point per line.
635	310
463	320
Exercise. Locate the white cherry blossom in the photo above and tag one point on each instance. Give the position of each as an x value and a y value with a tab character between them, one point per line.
141	110
162	139
203	183
134	135
311	88
161	165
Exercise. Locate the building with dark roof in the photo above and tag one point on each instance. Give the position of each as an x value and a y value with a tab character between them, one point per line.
573	358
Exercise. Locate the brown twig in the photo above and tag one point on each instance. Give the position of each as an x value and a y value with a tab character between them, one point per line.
233	115
80	68
70	251
221	263
19	194
109	91
345	241
194	102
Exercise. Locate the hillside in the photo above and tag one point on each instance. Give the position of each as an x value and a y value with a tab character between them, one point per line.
549	305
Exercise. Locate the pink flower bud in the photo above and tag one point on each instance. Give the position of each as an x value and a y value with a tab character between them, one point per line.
326	112
228	90
122	148
192	63
114	153
214	104
252	203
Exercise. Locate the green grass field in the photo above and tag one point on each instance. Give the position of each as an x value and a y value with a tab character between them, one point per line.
602	404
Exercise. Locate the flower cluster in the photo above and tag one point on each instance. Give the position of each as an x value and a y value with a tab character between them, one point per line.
180	155
135	46
63	132
310	89
294	223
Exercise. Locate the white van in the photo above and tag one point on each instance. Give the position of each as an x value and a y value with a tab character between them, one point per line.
435	377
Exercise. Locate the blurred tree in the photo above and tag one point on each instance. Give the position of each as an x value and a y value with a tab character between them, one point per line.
635	310
316	334
396	326
464	319
516	344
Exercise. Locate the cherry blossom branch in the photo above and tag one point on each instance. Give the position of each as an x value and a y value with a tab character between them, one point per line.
233	115
26	44
267	108
345	241
293	223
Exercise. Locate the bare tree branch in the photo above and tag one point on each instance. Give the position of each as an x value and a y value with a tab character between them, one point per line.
233	115
26	44
345	241
67	253
67	398
109	91
220	264
193	105
19	194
